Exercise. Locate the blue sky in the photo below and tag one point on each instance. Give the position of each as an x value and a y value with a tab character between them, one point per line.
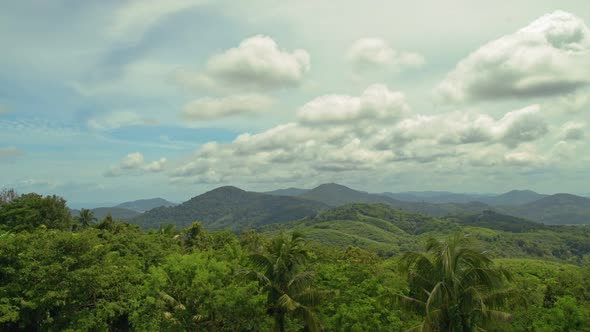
105	101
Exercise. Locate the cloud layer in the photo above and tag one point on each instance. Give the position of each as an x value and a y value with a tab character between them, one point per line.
376	53
550	56
376	132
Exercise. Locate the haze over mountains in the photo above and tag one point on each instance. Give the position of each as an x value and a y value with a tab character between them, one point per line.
127	210
236	209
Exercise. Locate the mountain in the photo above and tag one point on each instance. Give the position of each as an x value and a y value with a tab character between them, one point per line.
333	194
514	197
436	197
287	192
116	213
143	205
558	209
497	221
371	226
337	195
231	208
388	231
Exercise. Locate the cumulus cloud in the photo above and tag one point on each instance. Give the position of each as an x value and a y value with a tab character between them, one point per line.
371	53
134	163
9	153
133	160
550	56
573	131
215	108
375	131
116	120
458	128
257	63
376	103
156	166
524	158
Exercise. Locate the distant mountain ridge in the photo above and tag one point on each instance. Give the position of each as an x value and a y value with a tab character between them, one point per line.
514	197
548	209
231	208
142	205
558	209
335	195
287	192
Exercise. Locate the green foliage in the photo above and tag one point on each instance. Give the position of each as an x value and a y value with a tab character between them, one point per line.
30	211
454	285
86	217
112	276
198	292
283	275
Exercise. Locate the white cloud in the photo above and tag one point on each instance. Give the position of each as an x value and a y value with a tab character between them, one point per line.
116	120
522	125
550	56
134	163
373	132
134	18
458	128
367	53
377	103
524	158
156	166
573	131
215	108
257	63
133	160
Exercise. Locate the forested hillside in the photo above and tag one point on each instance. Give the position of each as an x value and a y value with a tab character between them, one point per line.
359	267
230	208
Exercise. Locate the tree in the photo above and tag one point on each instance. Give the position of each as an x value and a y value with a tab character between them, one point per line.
280	270
86	217
455	286
29	211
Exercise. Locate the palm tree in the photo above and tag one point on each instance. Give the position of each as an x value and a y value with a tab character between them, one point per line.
86	217
455	286
281	273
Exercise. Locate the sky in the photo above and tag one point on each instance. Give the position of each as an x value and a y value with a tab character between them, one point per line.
108	101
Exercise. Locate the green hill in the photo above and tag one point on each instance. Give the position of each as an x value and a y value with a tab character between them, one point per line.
231	208
558	209
387	231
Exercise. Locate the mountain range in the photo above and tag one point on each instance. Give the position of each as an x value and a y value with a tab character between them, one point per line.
236	209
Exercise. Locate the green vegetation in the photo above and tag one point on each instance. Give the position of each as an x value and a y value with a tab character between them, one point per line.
359	267
230	208
455	286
